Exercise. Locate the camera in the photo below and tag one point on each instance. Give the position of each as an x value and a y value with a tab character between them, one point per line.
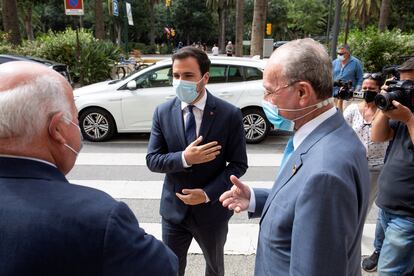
346	91
401	91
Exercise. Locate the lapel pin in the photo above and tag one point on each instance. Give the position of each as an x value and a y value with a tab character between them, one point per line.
294	169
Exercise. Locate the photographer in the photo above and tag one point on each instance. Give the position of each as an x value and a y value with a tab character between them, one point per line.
396	181
360	116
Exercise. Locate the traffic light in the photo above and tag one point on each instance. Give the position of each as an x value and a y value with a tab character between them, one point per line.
167	3
172	32
269	28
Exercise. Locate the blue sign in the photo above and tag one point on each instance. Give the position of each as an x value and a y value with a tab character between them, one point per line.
115	7
74	3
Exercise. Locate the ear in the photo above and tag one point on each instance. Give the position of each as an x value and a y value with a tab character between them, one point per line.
206	77
306	93
55	128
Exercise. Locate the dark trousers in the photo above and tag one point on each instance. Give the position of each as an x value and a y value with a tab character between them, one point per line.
211	239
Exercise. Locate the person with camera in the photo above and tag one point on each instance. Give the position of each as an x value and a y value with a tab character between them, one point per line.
347	68
396	181
360	116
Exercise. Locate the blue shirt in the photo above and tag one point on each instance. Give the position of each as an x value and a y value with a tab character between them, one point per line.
352	71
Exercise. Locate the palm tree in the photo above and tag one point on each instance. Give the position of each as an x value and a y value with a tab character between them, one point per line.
99	20
221	6
384	15
239	27
363	10
258	26
151	33
11	21
25	7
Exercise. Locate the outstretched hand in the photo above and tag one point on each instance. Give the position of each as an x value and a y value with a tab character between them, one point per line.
195	154
238	197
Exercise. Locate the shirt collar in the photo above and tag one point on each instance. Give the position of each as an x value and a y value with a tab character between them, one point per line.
28	158
306	129
200	104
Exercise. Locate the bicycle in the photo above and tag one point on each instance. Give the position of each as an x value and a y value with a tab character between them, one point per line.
124	68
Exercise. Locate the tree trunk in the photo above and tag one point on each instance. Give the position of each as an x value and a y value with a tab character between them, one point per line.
151	33
384	15
258	26
99	20
28	23
222	26
11	21
239	27
336	27
348	19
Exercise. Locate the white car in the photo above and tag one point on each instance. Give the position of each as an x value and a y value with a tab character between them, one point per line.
127	105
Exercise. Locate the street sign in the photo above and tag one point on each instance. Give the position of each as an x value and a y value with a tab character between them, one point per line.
115	7
129	13
74	7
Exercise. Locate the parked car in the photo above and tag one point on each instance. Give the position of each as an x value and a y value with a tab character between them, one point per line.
277	44
127	105
61	68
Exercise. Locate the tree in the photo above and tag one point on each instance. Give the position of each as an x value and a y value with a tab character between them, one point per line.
363	10
99	20
11	21
307	17
239	27
221	7
384	15
258	26
151	33
336	27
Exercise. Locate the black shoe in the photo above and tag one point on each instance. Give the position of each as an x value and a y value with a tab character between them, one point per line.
369	264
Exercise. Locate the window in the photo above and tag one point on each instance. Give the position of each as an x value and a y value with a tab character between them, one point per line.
252	73
156	78
217	74
235	74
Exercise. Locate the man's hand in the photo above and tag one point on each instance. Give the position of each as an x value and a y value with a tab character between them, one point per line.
192	196
238	197
195	154
400	113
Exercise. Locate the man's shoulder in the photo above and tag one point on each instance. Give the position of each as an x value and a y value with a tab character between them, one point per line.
356	60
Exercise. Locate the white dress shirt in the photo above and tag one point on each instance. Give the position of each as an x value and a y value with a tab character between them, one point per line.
298	137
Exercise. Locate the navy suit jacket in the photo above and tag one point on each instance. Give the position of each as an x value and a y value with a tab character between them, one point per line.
221	122
51	227
312	219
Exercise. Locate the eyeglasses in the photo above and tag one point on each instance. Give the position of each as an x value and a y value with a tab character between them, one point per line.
374	76
267	93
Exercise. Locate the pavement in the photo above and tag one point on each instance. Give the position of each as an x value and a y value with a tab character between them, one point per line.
118	167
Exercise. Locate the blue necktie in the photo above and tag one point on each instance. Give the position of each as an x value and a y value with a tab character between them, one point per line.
190	126
287	153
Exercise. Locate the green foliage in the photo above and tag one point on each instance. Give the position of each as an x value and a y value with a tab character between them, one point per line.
144	49
376	49
96	56
307	17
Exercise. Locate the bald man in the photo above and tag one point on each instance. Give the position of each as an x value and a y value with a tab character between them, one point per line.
48	225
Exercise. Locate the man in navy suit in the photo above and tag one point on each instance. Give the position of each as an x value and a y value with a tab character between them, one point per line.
49	226
312	219
198	141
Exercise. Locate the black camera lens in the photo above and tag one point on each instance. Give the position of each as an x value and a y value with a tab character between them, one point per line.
382	101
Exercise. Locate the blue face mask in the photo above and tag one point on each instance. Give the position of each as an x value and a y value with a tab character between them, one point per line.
272	114
186	91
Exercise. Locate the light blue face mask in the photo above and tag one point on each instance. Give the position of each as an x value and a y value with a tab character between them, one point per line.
272	114
186	91
340	57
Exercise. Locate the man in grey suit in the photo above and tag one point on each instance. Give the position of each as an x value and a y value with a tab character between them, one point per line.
312	219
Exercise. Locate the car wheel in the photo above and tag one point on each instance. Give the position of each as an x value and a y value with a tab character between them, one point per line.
96	124
256	125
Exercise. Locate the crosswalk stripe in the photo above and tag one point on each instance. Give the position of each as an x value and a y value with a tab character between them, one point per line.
138	159
242	238
141	189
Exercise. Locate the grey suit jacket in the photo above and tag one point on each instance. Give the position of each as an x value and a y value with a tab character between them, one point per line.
312	219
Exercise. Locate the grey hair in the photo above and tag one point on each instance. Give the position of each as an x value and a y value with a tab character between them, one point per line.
26	109
346	47
307	60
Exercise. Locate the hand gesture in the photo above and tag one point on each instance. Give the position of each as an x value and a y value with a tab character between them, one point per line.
192	196
400	113
238	197
195	154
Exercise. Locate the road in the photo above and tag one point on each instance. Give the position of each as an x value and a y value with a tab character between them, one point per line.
118	168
